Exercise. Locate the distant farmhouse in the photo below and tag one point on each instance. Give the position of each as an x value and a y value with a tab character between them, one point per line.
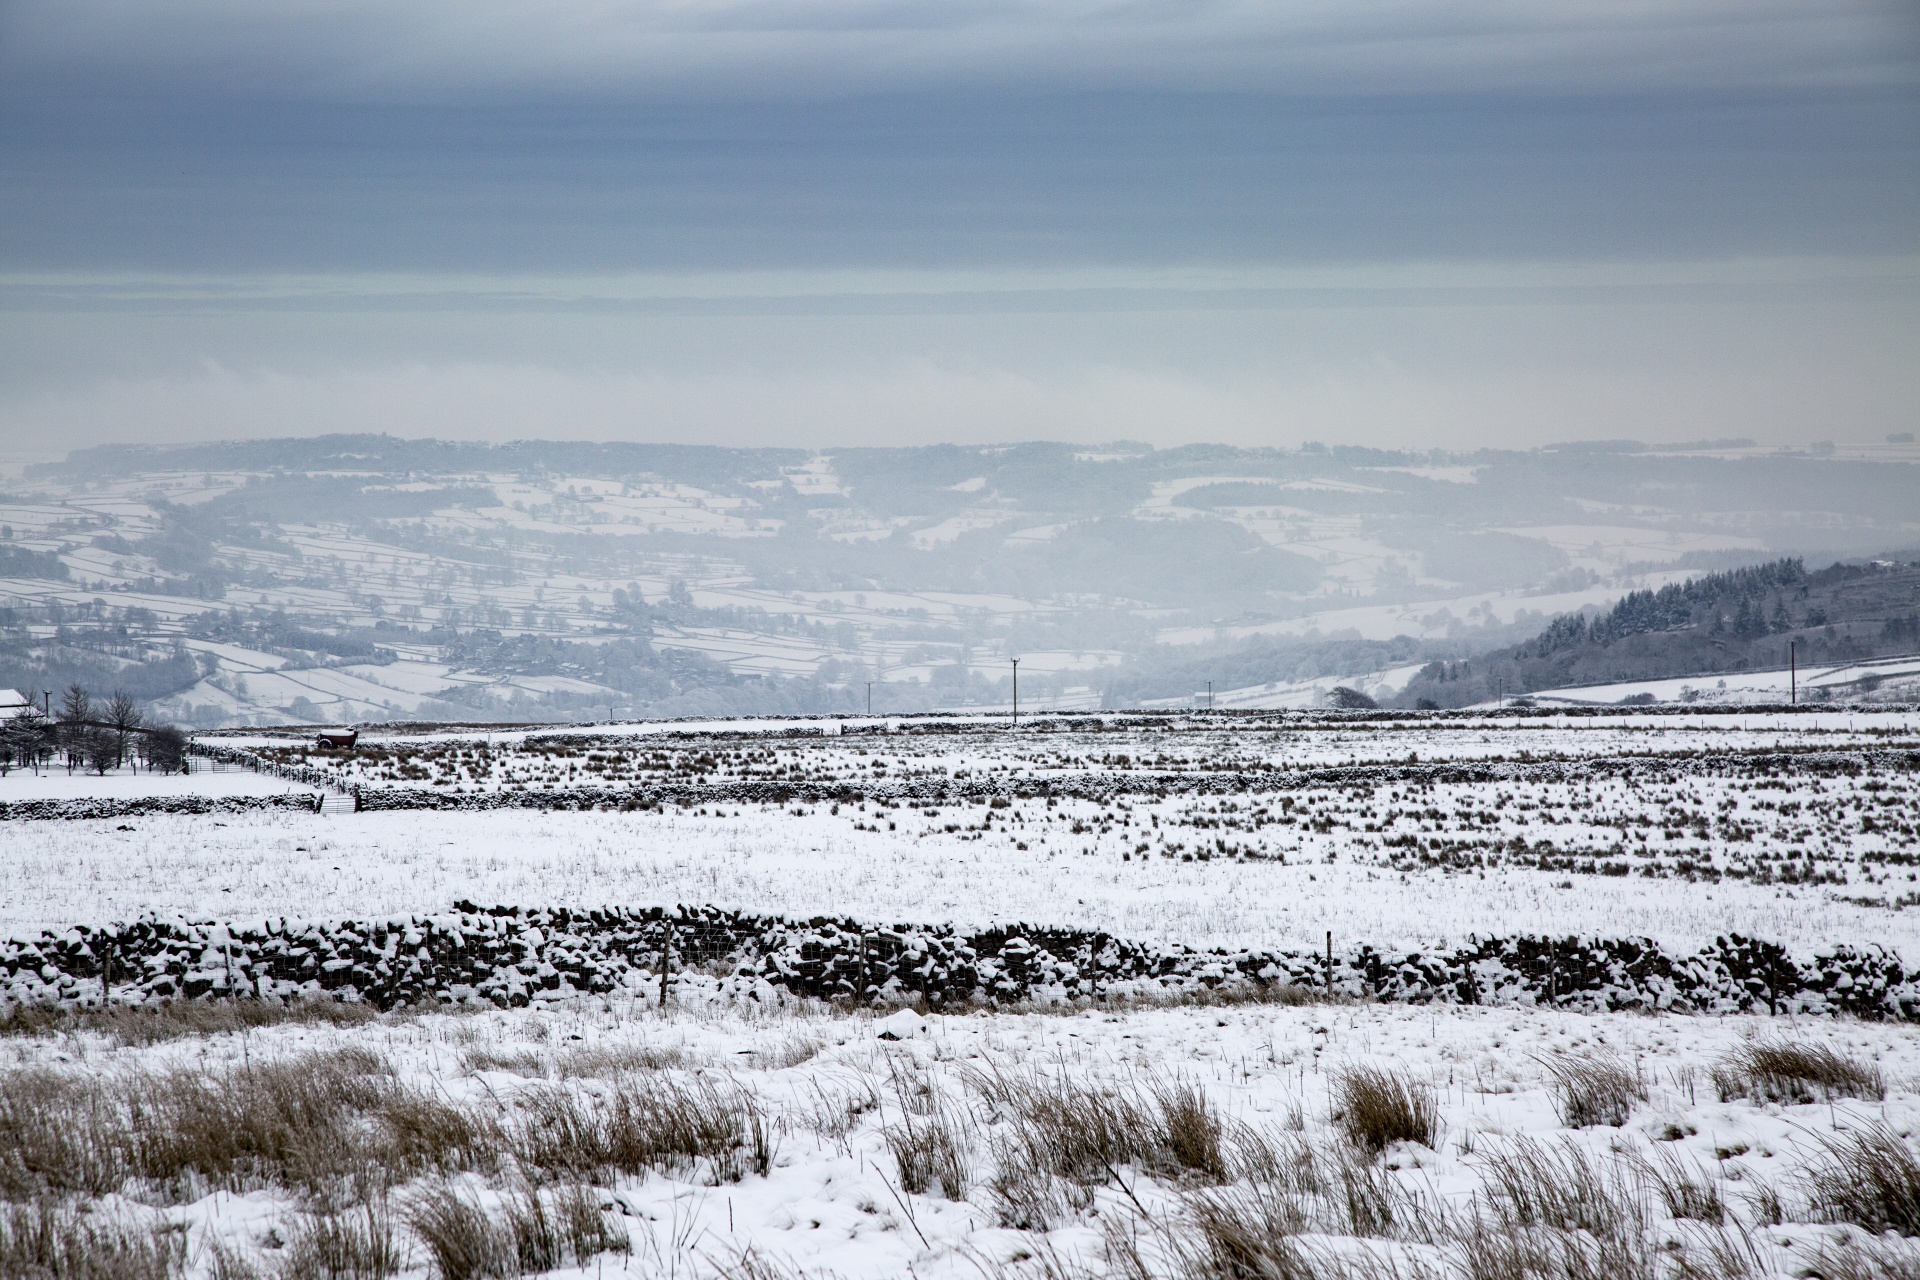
13	702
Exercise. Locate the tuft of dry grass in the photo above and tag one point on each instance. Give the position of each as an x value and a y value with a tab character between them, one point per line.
1689	1194
59	1132
1488	1251
534	1231
1866	1260
357	1245
1377	1108
1087	1134
1529	1184
647	1123
1869	1177
47	1241
137	1025
1594	1089
328	1125
931	1154
1796	1072
579	1064
1192	1129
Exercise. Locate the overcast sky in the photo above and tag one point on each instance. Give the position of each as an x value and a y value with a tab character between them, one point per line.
833	222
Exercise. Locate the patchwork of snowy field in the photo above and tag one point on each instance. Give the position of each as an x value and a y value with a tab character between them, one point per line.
251	866
710	1140
873	751
1798	828
707	1135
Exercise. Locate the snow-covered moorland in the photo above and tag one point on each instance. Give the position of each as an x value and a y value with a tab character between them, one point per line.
1173	1133
1263	832
710	1139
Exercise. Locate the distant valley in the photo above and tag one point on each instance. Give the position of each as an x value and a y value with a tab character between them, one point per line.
350	578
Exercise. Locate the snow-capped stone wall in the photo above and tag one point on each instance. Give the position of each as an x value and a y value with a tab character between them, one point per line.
515	956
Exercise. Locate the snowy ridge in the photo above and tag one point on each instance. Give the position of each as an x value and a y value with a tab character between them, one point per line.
510	956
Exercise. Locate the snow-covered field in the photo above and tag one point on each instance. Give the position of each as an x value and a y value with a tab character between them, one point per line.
1130	1142
1141	828
1180	1141
126	784
882	749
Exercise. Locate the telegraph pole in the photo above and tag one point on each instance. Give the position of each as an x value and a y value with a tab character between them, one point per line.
1016	693
869	697
1793	673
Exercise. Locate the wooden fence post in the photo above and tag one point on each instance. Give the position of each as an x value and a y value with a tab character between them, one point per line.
666	961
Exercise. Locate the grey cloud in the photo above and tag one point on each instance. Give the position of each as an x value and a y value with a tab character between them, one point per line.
376	51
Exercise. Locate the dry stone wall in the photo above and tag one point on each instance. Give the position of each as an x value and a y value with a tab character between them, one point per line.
511	956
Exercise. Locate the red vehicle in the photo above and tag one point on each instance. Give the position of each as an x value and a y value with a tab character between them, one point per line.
344	741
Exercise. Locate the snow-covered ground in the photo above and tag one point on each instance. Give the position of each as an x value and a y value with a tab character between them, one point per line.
1885	678
56	783
247	866
1149	836
891	748
809	1169
828	1183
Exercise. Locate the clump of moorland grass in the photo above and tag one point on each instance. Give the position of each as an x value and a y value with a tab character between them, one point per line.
930	1153
145	1024
324	1124
1061	1138
1525	1183
1687	1193
533	1231
1377	1108
354	1245
43	1240
1788	1071
1594	1089
646	1123
1869	1177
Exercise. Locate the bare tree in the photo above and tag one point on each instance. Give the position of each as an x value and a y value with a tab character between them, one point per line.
101	749
166	749
24	739
76	713
122	716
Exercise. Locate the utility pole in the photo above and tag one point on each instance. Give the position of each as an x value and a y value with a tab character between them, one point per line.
1209	695
1793	673
1016	693
869	697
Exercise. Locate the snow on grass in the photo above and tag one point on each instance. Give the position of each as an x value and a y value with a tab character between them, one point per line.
1256	1091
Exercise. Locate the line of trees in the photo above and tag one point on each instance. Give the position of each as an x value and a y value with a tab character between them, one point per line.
96	735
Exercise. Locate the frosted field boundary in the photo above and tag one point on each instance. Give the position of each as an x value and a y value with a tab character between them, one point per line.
100	808
1226	779
510	956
